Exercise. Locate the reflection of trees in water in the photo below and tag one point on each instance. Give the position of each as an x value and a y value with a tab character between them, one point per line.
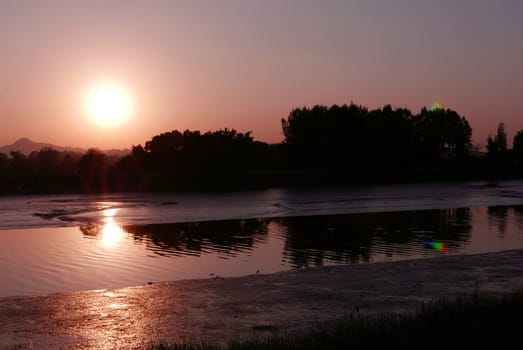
518	211
355	238
228	237
453	225
92	230
311	240
498	218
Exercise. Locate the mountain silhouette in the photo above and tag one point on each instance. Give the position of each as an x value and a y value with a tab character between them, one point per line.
26	146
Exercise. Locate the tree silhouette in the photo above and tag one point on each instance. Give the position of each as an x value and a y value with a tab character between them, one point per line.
134	162
391	136
499	156
222	150
94	171
94	161
323	137
349	137
322	145
46	161
517	147
19	163
441	135
498	144
5	161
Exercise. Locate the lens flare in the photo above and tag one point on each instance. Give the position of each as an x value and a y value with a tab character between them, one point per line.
436	106
436	245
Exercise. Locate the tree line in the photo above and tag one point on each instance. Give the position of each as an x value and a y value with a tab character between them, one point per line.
337	141
500	156
351	136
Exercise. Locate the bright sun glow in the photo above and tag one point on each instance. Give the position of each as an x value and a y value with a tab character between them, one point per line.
111	232
108	105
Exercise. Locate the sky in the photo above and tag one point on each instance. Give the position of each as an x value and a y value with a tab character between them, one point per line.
207	65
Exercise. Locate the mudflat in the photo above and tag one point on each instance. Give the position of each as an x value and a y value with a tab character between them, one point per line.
216	310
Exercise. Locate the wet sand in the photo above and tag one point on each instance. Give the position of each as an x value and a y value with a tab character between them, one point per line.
216	310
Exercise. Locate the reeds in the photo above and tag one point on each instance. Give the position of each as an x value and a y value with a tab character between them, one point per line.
484	321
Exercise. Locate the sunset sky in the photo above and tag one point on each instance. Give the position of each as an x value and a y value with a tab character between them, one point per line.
246	64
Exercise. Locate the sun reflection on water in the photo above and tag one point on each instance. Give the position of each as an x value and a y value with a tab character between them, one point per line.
112	233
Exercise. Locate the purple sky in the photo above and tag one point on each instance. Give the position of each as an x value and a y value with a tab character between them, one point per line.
246	64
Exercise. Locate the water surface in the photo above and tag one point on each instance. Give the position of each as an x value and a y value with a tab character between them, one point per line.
71	242
106	254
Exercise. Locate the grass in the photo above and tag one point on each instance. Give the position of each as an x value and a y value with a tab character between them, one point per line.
467	321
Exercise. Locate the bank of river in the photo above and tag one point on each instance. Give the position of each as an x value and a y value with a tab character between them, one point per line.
216	310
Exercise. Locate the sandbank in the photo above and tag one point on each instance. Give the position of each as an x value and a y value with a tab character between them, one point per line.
216	310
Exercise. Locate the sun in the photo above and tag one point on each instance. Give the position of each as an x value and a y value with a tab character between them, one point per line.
108	105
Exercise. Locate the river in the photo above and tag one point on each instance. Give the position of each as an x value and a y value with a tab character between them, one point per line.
76	242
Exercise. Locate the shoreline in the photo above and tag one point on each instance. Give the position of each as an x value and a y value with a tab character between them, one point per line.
176	182
218	310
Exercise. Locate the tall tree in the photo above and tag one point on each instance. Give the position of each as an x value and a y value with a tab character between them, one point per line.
351	136
442	135
326	137
47	161
517	146
93	162
4	162
391	137
498	144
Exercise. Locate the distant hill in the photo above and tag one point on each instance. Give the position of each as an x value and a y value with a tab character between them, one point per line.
26	146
